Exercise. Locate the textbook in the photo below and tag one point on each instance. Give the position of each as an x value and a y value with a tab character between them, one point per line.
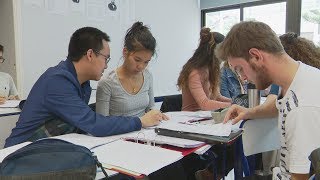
209	139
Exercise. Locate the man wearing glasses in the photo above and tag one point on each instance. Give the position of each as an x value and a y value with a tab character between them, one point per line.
58	101
8	90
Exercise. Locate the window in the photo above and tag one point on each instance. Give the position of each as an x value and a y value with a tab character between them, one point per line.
310	20
272	14
222	21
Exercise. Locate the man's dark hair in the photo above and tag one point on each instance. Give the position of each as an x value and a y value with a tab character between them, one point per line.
1	48
83	39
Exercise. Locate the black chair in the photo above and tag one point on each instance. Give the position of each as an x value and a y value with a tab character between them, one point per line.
93	106
21	104
171	103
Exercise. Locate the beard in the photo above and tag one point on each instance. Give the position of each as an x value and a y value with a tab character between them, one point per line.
262	80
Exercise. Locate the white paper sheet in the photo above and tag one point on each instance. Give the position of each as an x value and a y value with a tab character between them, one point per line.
10	104
140	158
183	116
211	129
87	140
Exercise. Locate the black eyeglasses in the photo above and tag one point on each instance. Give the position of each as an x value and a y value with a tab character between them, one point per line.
107	59
2	59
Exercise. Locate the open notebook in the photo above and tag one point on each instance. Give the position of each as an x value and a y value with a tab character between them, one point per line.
134	157
125	156
88	141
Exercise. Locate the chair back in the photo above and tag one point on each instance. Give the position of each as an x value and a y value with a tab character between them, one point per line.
171	103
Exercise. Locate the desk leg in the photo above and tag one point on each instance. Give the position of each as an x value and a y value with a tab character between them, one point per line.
212	159
238	155
224	160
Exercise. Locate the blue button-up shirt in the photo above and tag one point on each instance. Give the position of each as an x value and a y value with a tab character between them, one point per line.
57	94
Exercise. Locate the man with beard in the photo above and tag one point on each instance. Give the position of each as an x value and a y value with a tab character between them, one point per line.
254	50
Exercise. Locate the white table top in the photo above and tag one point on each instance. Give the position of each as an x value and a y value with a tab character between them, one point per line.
9	111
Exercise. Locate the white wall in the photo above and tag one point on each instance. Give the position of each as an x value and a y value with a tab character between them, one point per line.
7	37
44	36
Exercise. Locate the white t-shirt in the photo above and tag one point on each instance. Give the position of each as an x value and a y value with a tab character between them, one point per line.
299	122
7	87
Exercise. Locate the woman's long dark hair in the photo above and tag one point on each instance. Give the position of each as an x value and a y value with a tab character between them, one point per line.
203	57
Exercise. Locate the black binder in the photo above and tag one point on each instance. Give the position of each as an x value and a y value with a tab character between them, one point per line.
209	139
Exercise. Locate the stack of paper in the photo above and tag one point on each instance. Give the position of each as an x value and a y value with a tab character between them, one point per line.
10	104
213	129
136	157
184	116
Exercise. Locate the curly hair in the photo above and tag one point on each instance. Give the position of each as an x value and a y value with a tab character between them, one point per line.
301	49
203	57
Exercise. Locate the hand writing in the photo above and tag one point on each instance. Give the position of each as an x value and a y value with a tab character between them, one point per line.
2	100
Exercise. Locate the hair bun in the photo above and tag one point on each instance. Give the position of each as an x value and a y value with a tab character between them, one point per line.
292	35
137	25
289	37
205	34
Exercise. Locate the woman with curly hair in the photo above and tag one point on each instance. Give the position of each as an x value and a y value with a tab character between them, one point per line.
301	49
